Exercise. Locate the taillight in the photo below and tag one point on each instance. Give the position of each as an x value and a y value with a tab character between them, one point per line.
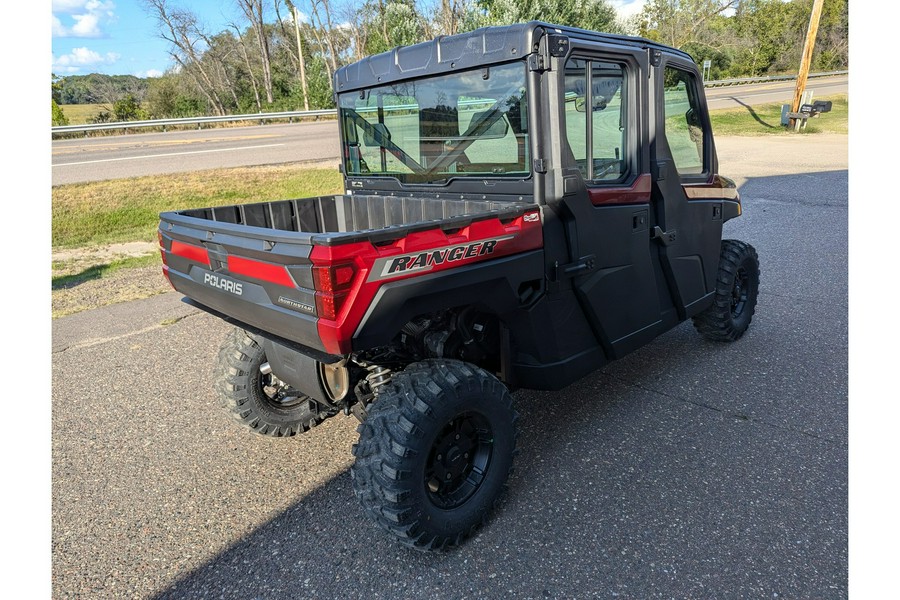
277	274
333	284
162	247
162	252
190	252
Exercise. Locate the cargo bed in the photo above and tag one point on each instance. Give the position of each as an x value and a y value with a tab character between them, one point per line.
343	218
301	269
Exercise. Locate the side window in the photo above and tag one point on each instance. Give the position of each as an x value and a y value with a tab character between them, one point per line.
576	116
684	128
608	122
595	118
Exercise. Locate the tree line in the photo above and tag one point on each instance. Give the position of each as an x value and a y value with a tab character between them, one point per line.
282	54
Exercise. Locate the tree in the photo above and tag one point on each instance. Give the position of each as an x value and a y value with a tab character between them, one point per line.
596	15
246	57
182	30
295	17
253	10
678	23
391	23
128	109
58	116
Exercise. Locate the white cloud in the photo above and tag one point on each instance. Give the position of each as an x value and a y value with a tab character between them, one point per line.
149	73
627	8
58	29
86	17
82	6
86	26
68	6
82	58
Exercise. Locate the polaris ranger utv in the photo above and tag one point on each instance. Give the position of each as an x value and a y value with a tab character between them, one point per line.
522	205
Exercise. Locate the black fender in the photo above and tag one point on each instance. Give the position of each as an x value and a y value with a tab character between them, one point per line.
492	286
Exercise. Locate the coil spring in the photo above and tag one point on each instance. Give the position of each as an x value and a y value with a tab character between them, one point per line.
378	376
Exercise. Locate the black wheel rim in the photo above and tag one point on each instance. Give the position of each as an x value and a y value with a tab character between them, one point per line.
458	460
277	394
740	292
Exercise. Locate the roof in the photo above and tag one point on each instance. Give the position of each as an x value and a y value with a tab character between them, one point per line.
487	45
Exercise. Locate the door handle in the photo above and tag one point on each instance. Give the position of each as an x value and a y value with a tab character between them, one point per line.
664	237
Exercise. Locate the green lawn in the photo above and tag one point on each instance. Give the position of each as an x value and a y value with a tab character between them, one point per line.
125	210
765	119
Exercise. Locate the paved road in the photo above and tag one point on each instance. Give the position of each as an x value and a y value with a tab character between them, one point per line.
115	157
686	470
765	93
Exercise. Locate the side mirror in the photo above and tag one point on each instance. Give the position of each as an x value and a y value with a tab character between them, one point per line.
598	102
377	136
692	117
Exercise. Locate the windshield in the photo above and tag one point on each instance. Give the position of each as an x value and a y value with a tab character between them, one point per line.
467	124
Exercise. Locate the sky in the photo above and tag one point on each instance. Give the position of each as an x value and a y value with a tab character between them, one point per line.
117	37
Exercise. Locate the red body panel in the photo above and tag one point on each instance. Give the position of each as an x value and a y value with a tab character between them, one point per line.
637	193
519	235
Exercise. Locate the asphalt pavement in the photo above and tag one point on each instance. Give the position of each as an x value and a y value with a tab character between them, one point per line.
688	469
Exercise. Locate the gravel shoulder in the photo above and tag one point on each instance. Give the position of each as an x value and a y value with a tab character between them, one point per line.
121	285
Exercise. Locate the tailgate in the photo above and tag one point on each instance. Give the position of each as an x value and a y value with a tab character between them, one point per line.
263	279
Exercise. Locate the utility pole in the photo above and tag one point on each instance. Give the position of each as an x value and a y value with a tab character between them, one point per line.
302	62
805	60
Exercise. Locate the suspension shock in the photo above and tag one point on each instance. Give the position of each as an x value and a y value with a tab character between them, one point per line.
378	376
367	387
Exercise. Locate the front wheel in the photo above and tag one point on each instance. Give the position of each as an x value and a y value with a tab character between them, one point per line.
737	286
435	452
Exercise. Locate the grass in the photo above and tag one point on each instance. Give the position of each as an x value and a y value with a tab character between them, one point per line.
87	217
71	273
125	210
82	284
765	119
80	114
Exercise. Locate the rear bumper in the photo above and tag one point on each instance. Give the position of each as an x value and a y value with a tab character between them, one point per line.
252	309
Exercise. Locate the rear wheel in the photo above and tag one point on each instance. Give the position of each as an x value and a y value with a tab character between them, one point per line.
737	286
254	396
435	452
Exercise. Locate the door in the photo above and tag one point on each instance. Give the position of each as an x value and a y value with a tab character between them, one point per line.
683	162
606	197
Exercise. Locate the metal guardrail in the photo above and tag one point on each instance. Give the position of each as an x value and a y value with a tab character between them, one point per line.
298	114
330	112
746	80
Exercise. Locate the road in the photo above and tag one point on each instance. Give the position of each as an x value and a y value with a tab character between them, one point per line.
133	155
686	470
767	93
